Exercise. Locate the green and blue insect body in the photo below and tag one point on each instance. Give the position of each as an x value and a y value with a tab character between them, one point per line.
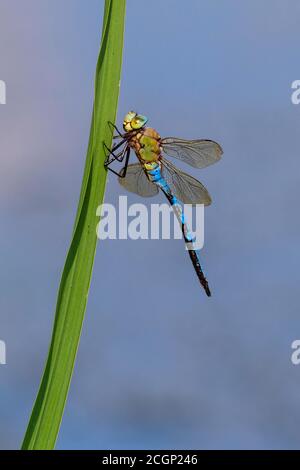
154	171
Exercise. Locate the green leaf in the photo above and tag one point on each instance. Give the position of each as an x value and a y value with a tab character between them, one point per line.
44	423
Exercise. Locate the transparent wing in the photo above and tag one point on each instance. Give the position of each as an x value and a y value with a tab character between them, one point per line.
186	188
137	182
197	153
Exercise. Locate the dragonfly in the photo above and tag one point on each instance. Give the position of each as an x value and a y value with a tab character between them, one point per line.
154	172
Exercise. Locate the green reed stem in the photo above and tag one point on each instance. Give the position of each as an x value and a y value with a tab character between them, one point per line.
45	420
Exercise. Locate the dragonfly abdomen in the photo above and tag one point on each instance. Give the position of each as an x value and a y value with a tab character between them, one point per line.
153	171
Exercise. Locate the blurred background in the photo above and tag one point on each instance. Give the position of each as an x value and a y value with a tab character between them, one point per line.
175	369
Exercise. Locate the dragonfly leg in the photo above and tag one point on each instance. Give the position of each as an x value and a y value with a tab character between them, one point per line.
123	172
116	129
124	153
112	151
112	156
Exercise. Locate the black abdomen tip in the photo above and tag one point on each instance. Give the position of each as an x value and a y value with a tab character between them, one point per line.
207	290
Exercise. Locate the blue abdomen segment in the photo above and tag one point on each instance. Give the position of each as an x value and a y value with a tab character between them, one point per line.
156	177
154	174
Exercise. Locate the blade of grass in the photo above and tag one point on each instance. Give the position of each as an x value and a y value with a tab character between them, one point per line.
45	420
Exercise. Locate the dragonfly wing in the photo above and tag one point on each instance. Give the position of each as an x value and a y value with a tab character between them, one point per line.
137	182
197	153
186	188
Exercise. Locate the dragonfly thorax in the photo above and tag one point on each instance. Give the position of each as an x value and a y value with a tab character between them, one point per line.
146	145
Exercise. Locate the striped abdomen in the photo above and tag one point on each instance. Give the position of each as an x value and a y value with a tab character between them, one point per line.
153	170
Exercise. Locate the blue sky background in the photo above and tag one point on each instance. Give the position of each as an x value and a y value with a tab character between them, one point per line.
159	364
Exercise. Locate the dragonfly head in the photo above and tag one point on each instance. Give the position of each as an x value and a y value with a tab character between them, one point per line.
133	121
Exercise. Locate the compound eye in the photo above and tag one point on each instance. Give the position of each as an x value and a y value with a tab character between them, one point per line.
138	122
